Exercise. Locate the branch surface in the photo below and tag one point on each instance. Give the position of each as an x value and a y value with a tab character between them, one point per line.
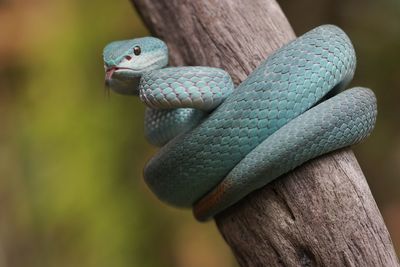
320	214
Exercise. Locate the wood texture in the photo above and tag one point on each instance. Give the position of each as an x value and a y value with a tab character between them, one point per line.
322	213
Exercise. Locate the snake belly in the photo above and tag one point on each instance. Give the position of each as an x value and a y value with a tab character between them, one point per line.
274	121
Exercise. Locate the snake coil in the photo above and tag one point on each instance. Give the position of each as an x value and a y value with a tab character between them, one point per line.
220	143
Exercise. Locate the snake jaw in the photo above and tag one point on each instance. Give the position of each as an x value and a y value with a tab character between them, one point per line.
122	80
114	69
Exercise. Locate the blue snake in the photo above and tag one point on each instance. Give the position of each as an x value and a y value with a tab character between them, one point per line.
219	143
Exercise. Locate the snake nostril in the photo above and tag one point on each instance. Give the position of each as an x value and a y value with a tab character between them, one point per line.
128	57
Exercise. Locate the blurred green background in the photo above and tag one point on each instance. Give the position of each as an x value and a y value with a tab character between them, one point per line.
71	192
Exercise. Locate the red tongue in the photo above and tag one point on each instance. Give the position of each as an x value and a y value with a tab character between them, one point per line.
109	73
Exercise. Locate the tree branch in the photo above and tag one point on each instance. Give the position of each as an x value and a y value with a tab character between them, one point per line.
323	212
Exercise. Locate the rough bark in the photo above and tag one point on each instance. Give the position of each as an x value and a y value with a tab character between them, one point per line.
320	214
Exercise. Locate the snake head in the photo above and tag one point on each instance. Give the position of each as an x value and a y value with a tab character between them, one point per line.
126	61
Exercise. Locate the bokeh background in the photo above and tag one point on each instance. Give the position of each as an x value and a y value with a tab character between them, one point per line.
71	192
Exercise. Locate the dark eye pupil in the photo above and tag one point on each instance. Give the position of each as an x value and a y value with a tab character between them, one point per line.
136	50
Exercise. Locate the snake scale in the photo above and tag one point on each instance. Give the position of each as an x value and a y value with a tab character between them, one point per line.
218	143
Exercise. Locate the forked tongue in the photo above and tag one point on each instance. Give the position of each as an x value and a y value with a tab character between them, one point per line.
109	73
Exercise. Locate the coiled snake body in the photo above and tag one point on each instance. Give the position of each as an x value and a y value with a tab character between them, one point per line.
220	144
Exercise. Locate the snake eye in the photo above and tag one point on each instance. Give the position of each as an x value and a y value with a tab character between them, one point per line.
137	50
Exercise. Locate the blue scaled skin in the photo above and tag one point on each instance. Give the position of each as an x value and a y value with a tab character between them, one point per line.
220	144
